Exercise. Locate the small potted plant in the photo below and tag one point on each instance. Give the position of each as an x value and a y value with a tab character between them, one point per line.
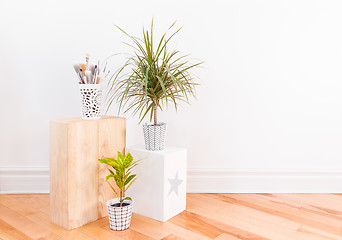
149	79
120	208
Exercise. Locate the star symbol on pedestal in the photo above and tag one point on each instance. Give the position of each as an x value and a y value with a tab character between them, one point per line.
174	184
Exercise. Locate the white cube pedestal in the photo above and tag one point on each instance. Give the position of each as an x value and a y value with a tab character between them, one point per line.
160	189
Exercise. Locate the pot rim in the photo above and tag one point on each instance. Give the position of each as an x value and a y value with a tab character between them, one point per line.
158	124
116	200
90	86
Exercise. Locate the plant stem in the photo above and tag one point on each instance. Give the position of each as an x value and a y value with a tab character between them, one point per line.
155	114
120	198
122	191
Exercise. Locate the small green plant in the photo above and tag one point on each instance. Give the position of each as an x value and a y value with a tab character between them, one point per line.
122	166
155	76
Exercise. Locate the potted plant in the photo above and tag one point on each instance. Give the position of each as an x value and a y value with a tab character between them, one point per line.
120	208
149	79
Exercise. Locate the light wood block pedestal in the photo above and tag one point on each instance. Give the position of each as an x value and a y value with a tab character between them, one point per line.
78	192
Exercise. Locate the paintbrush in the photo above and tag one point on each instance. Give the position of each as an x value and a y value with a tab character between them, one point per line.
87	59
92	68
104	69
88	76
83	68
77	70
98	80
95	73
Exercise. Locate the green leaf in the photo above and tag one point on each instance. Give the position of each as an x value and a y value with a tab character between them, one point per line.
127	175
134	40
128	159
146	80
163	87
111	172
113	189
120	158
109	176
113	164
110	163
122	165
133	164
147	110
129	179
119	181
104	161
127	198
151	77
130	184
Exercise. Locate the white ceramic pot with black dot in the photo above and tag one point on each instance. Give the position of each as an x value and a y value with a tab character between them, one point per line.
90	101
119	217
154	136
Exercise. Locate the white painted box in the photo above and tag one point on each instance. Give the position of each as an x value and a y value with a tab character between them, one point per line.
160	189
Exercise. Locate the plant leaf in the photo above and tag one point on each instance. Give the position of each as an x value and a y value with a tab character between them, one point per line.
109	176
130	184
113	189
127	198
129	179
150	77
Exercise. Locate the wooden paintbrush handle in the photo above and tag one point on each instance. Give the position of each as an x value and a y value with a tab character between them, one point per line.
83	66
98	80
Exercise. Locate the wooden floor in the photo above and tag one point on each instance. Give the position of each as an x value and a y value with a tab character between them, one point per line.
208	216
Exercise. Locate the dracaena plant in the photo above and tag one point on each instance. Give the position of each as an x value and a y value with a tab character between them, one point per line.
152	76
121	173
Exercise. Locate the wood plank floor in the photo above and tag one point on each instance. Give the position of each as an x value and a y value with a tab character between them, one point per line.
208	216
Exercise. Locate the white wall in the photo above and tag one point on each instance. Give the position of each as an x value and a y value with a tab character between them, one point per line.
270	99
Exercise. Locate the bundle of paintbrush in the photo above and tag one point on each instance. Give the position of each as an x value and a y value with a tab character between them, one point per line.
88	73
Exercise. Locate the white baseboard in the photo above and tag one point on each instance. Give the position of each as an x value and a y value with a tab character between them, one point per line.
36	180
245	181
24	180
